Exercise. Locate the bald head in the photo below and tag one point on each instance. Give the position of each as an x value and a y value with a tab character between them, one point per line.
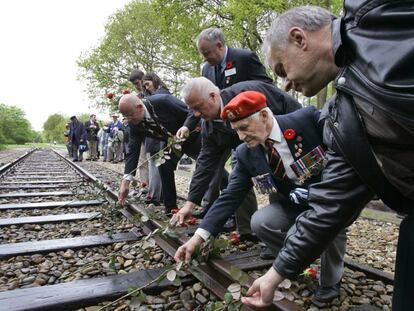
132	108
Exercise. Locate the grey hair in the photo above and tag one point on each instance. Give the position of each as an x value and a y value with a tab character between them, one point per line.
256	115
309	18
212	35
202	85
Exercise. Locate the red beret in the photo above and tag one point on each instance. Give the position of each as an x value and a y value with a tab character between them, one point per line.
243	105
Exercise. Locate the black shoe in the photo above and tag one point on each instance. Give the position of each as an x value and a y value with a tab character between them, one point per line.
325	294
75	160
152	201
248	237
266	254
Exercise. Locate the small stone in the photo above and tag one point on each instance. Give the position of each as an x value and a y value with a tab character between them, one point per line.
360	300
57	273
13	285
127	263
167	293
40	281
197	287
358	274
201	298
25	270
37	258
186	295
379	289
386	298
157	257
68	254
29	279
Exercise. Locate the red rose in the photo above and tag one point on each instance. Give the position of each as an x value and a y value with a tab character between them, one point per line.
174	210
110	95
192	221
289	134
234	238
229	65
126	91
310	272
143	184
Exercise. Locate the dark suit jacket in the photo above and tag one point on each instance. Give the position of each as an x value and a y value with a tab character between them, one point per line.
91	133
152	145
76	132
169	112
246	64
252	162
248	68
218	137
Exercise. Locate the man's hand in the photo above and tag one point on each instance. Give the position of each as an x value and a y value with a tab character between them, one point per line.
183	214
262	291
185	251
183	132
123	191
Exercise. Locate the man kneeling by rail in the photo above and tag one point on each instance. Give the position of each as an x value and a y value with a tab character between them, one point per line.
281	155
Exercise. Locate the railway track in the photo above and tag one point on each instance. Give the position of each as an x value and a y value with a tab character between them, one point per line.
61	234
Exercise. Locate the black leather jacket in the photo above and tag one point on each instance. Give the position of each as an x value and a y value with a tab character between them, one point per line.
373	44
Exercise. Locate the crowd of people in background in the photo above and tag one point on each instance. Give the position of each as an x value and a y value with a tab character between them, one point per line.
108	141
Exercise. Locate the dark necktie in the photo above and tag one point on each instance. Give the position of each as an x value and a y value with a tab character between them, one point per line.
217	71
275	161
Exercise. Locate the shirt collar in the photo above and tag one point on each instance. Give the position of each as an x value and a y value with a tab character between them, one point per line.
224	60
275	133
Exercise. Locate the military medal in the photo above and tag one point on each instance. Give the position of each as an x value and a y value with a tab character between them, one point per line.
311	164
264	184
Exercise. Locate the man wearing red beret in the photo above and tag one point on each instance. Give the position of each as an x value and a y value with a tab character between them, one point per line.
218	138
282	155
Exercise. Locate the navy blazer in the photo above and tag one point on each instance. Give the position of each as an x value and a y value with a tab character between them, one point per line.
168	111
252	162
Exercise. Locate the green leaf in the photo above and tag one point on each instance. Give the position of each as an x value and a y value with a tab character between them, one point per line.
221	243
112	262
228	298
236	273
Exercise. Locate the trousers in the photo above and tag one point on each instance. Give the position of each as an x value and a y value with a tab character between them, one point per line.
271	225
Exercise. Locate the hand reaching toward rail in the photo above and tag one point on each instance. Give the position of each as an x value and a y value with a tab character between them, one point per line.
262	291
183	214
185	251
123	191
182	132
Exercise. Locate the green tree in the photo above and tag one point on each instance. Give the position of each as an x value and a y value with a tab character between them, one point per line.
55	127
14	127
159	36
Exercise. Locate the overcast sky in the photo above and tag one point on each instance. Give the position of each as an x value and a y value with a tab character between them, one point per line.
40	43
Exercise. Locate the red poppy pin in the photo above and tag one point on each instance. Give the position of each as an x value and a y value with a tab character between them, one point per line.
126	91
110	95
229	64
289	134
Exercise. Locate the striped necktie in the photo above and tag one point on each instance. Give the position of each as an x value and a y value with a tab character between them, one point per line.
275	161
